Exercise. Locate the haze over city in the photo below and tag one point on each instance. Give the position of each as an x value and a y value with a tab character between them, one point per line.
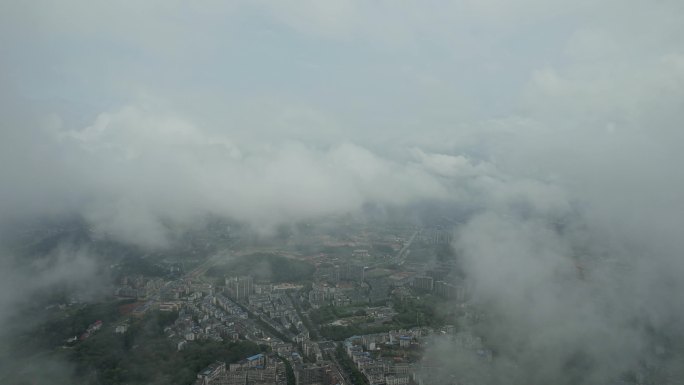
341	192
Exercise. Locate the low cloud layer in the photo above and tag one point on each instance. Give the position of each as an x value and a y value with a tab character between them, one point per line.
131	170
556	124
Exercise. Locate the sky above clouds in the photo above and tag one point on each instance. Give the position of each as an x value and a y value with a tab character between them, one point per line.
338	99
133	113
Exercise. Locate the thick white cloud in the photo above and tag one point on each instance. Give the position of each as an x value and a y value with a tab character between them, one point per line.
138	168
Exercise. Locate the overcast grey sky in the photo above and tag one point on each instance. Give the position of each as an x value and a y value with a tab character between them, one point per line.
272	110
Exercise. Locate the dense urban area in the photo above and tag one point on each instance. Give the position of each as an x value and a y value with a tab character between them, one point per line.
340	302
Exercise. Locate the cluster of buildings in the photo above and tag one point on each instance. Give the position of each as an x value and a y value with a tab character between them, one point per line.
267	369
384	358
262	313
239	288
322	294
348	284
269	303
395	357
457	291
240	312
270	315
320	373
138	286
213	317
258	369
342	272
